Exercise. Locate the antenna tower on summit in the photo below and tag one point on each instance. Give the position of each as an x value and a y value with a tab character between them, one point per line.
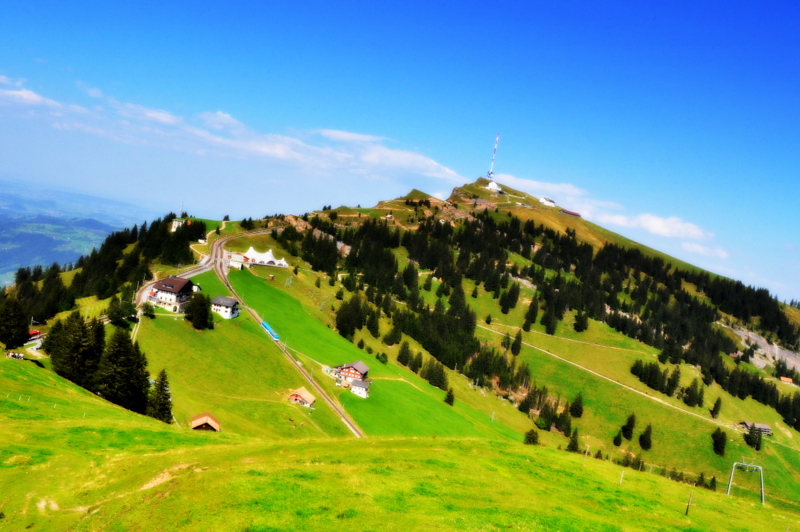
490	173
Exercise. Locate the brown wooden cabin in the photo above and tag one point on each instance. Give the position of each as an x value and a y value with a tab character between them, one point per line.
205	421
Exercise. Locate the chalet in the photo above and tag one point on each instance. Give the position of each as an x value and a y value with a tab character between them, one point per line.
302	397
547	202
171	293
360	388
205	421
494	187
570	213
389	217
760	427
227	307
355	371
787	380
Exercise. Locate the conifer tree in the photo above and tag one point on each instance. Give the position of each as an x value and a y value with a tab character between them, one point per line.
717	406
532	437
450	397
13	324
627	428
576	409
159	401
404	356
198	311
123	376
574	445
618	439
646	438
516	347
720	439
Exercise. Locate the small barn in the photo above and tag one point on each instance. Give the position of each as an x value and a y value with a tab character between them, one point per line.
787	380
205	421
302	397
547	202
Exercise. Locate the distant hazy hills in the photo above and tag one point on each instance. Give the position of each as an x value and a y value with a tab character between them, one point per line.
44	226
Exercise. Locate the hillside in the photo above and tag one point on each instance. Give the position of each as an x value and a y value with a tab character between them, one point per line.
518	305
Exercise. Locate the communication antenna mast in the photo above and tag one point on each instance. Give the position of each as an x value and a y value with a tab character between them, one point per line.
490	174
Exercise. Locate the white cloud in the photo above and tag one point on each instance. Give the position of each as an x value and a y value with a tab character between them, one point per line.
671	227
140	112
27	98
5	80
324	153
540	188
346	136
692	247
220	121
381	156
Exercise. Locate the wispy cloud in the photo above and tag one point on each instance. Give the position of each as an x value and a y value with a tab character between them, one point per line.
322	152
670	227
26	97
5	80
692	247
346	136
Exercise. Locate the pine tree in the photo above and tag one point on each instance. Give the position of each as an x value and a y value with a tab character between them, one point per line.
574	445
717	406
516	347
450	398
577	406
13	324
712	485
532	437
123	376
720	439
159	401
627	428
475	292
198	311
404	356
646	438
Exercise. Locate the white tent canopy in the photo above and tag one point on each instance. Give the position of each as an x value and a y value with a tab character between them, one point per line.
251	256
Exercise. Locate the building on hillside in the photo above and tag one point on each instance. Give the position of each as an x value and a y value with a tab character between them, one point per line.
492	186
201	240
360	388
254	258
354	371
547	202
171	293
176	223
389	217
766	430
235	261
570	213
227	307
205	421
787	380
302	397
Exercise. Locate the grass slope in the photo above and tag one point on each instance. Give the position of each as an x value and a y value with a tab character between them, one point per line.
233	371
395	407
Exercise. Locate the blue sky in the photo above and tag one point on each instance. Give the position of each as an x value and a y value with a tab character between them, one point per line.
676	124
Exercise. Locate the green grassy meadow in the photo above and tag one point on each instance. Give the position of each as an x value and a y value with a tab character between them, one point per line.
114	470
235	372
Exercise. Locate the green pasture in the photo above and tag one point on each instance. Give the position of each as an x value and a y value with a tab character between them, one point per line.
235	372
399	409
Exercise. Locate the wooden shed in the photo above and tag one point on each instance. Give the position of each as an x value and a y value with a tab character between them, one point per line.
302	397
205	421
